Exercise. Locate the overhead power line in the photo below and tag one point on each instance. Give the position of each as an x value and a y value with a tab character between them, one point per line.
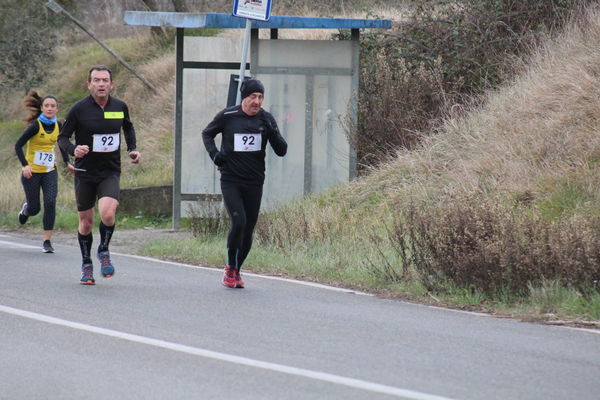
57	8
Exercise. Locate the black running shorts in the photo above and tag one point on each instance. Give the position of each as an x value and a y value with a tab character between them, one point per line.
89	188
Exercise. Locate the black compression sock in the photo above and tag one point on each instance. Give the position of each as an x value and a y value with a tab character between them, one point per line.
85	244
106	233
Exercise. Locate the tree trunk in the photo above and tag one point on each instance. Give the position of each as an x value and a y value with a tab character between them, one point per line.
153	5
180	6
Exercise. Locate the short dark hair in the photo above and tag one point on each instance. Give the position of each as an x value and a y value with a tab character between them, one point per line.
99	67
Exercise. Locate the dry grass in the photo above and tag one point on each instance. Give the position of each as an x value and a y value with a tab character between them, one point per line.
11	200
153	113
542	127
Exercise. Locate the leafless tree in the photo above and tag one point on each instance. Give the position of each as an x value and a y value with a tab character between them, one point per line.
166	5
180	6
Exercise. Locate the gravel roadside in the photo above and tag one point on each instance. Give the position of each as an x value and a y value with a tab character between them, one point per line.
124	240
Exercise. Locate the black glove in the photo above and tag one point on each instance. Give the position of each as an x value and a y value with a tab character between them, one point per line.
266	127
219	159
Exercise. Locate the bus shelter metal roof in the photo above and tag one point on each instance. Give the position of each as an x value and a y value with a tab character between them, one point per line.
223	21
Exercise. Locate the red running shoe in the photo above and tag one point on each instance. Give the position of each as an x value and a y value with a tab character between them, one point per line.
229	277
239	283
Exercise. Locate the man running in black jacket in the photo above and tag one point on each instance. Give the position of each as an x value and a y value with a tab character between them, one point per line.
245	130
97	121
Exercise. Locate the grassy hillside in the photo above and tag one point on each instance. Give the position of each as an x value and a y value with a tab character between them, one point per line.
501	204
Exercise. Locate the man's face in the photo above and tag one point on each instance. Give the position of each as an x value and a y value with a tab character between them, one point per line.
251	104
100	84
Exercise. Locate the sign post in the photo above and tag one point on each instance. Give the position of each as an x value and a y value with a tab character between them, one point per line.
249	9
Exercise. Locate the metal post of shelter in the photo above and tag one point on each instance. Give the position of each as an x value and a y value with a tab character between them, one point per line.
178	126
355	37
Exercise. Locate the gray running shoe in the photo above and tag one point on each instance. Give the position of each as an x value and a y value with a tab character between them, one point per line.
22	216
47	246
106	266
87	274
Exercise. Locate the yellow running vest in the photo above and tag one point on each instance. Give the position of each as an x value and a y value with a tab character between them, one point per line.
39	151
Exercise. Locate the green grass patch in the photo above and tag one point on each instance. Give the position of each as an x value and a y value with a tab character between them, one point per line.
68	220
140	221
203	32
10	131
566	200
201	251
8	128
553	298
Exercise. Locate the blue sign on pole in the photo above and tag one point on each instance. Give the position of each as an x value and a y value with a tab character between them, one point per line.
252	9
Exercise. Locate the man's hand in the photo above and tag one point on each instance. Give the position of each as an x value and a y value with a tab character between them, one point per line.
219	159
81	150
135	156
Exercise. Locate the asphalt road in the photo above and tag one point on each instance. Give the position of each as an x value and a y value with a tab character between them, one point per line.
161	330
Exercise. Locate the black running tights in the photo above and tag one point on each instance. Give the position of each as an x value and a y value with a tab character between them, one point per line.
243	205
48	182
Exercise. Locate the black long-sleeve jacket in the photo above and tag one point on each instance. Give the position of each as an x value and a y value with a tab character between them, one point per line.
243	144
94	125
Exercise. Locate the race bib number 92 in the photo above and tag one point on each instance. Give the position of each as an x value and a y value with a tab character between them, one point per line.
106	142
247	141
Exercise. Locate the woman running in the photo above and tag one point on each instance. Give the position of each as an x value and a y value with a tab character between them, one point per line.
38	161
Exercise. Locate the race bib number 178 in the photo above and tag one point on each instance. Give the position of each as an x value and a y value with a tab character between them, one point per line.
44	159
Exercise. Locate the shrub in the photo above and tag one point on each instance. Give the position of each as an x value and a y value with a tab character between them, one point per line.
207	219
437	61
32	36
483	245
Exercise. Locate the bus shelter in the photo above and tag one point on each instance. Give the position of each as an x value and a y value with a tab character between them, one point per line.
311	89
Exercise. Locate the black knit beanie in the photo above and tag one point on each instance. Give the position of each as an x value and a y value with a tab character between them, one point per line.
251	86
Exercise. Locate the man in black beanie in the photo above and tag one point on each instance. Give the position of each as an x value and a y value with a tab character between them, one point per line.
245	130
250	86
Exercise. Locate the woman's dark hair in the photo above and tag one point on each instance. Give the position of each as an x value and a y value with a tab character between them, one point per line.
33	104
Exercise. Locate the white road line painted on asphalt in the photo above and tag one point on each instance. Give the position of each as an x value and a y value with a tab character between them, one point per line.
13	244
249	362
574	328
